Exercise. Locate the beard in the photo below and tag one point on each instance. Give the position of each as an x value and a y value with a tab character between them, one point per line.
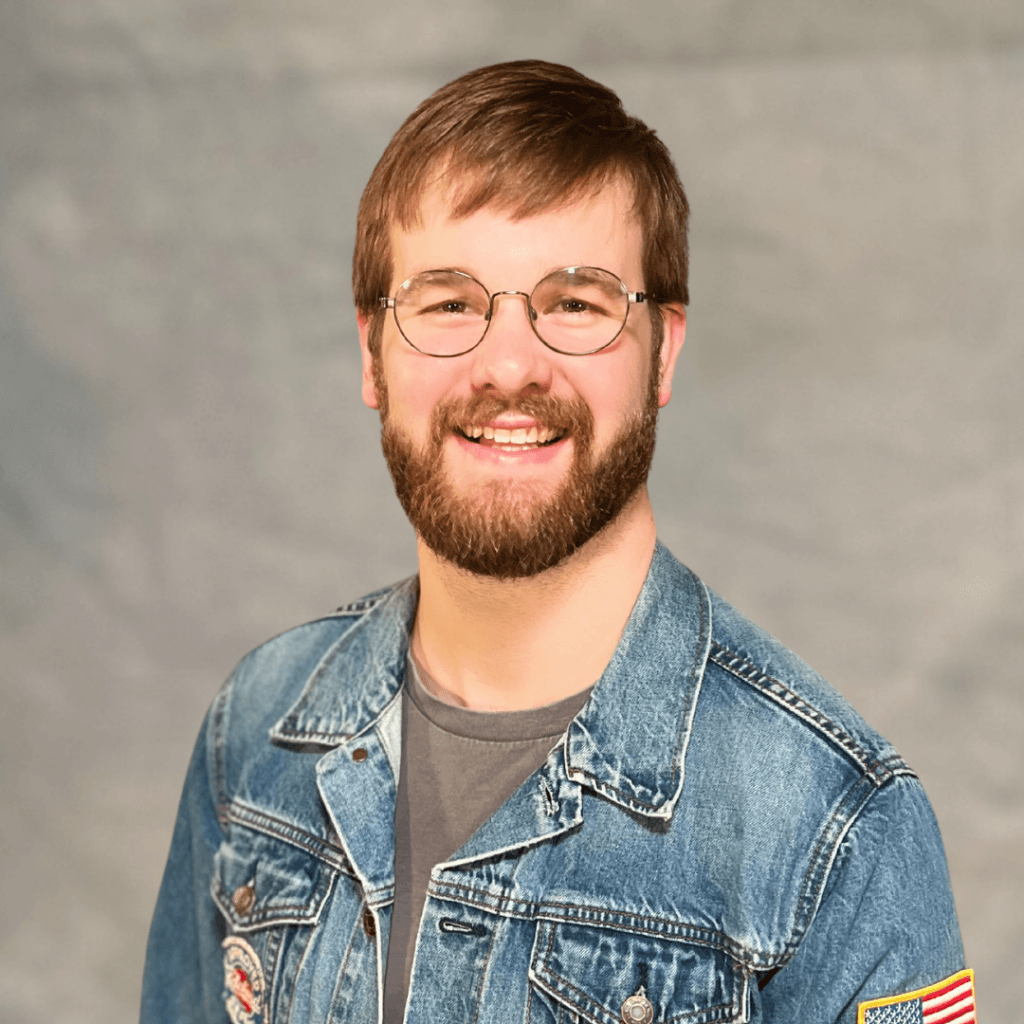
505	529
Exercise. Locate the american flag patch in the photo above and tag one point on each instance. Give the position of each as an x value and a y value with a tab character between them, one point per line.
948	1002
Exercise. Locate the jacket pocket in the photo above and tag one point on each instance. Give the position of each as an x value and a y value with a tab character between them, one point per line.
590	973
260	881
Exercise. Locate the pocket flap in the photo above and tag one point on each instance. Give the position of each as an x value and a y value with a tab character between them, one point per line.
260	880
593	971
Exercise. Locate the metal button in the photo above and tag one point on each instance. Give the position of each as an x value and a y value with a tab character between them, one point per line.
637	1009
243	898
369	925
359	754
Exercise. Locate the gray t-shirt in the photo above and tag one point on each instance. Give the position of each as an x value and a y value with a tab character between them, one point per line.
458	767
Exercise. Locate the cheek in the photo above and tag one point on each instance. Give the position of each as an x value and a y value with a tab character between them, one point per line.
617	394
415	385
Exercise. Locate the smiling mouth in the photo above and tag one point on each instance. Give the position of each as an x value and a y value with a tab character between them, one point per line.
515	440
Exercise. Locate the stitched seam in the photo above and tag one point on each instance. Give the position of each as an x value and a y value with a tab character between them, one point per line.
597	1012
895	763
328	738
823	857
620	796
681	931
576	1011
788	699
483	975
684	733
705	1013
274	945
299	970
265	823
218	714
633	802
342	972
309	910
363	604
280	914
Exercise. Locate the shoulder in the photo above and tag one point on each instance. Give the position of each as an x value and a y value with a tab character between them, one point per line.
810	794
747	663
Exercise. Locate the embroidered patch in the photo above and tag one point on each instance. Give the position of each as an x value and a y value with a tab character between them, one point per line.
947	1002
245	988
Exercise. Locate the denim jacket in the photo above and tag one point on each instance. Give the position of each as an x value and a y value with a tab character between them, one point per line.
718	836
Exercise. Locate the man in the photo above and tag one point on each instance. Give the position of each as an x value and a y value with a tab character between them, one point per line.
553	778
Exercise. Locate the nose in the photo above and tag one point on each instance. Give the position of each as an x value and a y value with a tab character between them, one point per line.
511	359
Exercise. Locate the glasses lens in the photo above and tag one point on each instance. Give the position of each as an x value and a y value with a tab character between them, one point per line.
442	313
580	309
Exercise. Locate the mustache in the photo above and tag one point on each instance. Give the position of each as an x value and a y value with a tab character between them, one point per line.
567	416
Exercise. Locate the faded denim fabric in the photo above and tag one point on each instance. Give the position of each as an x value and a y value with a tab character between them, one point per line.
717	827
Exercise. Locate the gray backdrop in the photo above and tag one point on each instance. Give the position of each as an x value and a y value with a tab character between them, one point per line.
186	468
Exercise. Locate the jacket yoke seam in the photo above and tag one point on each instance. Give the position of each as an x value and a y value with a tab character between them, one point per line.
277	828
558	912
878	770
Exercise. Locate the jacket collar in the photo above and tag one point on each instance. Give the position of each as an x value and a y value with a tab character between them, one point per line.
358	676
629	741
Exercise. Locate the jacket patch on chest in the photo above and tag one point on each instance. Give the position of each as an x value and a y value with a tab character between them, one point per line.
245	987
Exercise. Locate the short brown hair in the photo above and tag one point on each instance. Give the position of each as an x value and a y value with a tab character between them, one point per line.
524	136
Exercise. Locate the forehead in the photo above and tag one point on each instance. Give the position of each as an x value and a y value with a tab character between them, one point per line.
506	251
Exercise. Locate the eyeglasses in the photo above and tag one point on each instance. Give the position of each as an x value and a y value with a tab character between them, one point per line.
575	311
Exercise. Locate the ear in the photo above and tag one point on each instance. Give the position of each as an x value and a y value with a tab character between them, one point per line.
369	391
674	324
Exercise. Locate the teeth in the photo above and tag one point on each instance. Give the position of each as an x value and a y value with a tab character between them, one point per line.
520	436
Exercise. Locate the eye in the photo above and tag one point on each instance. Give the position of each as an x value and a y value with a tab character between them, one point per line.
571	304
450	307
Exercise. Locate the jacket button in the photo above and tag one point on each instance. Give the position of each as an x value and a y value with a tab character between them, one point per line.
637	1010
369	925
243	898
359	754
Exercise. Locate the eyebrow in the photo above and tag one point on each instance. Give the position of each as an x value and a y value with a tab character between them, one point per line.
470	273
442	270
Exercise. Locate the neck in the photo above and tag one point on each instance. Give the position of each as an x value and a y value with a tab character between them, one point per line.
506	645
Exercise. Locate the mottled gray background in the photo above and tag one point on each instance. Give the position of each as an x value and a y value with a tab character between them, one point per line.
186	468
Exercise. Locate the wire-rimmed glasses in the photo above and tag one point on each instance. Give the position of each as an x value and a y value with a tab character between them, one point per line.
575	311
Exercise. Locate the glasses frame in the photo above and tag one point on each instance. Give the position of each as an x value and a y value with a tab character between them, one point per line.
631	299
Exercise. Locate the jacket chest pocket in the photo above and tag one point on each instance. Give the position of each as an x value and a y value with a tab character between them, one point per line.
605	976
270	893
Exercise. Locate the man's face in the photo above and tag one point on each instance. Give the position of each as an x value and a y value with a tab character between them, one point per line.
518	502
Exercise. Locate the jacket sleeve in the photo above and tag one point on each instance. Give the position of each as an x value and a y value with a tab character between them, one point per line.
886	925
183	977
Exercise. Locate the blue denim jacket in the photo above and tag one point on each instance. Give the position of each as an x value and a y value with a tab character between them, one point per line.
718	833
